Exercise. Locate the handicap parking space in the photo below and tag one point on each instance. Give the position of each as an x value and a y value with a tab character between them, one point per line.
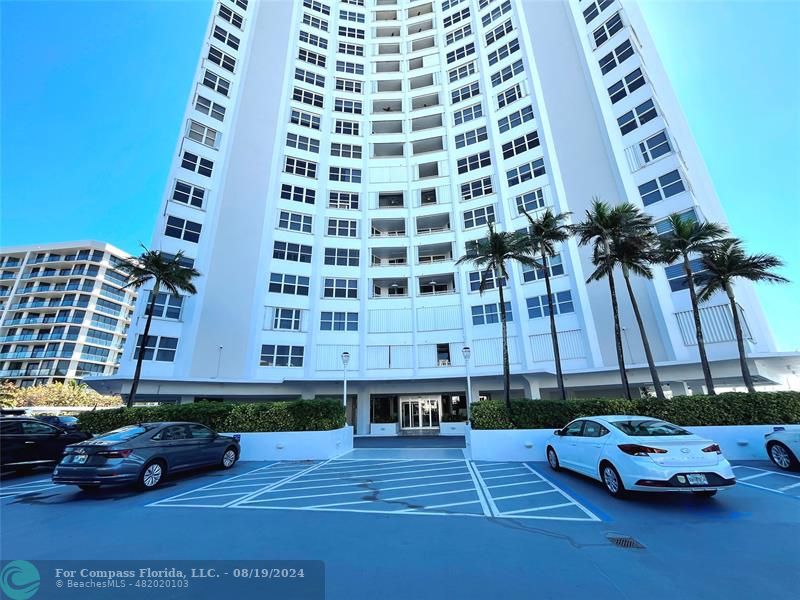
765	478
13	490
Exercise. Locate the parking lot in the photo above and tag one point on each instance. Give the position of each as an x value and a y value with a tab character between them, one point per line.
498	528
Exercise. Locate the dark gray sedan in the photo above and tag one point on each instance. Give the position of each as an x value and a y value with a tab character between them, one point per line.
144	454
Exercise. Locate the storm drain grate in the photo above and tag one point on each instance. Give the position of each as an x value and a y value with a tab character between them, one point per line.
624	541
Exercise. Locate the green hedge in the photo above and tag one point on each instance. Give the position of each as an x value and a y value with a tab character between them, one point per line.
723	409
293	415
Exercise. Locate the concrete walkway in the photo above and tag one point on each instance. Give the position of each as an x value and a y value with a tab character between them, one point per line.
410	441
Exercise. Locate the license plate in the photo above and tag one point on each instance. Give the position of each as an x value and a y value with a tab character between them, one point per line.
79	459
697	479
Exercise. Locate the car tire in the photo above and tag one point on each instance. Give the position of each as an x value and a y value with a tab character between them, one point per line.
782	457
89	487
152	475
612	481
229	458
552	459
705	493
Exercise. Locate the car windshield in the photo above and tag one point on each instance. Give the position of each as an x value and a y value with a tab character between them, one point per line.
123	434
649	427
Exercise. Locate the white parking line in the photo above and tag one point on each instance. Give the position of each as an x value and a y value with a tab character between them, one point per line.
538	508
783	489
26	488
470	489
749	477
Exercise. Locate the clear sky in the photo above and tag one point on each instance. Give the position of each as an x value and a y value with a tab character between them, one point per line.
93	94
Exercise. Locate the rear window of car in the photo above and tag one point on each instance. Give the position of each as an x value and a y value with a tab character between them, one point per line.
123	434
649	428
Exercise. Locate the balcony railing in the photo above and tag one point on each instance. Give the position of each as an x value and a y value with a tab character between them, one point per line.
41	320
43	338
36	354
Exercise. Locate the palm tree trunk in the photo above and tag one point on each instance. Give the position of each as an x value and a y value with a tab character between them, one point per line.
618	337
506	368
138	372
645	342
737	325
553	333
698	328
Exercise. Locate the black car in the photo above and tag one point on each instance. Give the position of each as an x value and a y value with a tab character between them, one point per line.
26	443
63	421
144	454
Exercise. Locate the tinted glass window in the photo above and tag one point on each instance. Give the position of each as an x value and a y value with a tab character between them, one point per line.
123	434
200	432
592	429
9	427
37	428
573	428
173	432
649	428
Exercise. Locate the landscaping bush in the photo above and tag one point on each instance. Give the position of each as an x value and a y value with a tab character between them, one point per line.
763	408
234	417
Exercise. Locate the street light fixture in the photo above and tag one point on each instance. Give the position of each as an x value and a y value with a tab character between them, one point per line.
345	361
466	351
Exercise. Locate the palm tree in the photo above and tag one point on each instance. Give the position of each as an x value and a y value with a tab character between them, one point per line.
543	234
726	262
689	236
167	273
491	256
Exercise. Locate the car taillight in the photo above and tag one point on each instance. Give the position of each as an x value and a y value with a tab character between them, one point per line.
637	450
115	453
713	448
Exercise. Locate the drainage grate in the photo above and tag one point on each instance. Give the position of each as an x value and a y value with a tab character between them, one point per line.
624	541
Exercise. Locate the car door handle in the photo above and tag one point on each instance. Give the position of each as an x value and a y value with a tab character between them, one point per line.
30	442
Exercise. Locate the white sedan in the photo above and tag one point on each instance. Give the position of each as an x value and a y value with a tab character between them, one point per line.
783	447
640	453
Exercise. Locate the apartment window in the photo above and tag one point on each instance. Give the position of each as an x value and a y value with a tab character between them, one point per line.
661	188
351	49
242	4
343	227
347	106
276	355
351	32
508	96
344	174
188	193
230	16
297	193
507	73
348	200
317	6
607	29
348	67
215	82
521	144
530	201
309	77
354	2
460	53
616	57
476	189
475	161
313	39
466	92
467	114
499	32
217	56
347	15
594	9
226	38
291	251
478	217
345	150
302	142
340	288
456	17
160	349
292	221
297	166
664	227
554	268
471	137
503	51
183	229
627	85
202	134
342	257
538	306
496	13
212	109
315	22
640	115
167	306
348	85
655	146
192	162
287	319
458	34
311	57
338	321
486	314
285	283
525	172
491	280
448	4
461	72
307	97
676	275
515	119
305	119
347	127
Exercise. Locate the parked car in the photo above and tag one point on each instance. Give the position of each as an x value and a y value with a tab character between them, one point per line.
144	454
64	421
783	448
640	453
26	443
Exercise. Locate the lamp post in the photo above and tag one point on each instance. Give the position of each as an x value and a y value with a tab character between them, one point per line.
345	360
466	351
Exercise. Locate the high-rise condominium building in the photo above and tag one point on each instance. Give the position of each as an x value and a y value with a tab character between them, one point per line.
338	156
64	312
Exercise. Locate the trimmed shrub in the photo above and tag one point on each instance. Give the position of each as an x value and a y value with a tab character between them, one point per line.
763	408
234	417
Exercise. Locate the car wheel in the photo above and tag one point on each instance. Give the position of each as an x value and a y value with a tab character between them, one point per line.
782	456
89	487
229	458
705	493
552	459
152	474
612	480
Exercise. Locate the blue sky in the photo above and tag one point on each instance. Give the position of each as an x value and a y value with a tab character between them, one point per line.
93	94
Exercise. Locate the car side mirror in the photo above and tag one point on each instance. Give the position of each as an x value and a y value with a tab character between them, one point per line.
557	432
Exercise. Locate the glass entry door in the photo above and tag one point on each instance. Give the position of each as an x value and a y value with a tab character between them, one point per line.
420	412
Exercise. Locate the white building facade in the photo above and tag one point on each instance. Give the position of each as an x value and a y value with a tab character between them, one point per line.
64	311
338	156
